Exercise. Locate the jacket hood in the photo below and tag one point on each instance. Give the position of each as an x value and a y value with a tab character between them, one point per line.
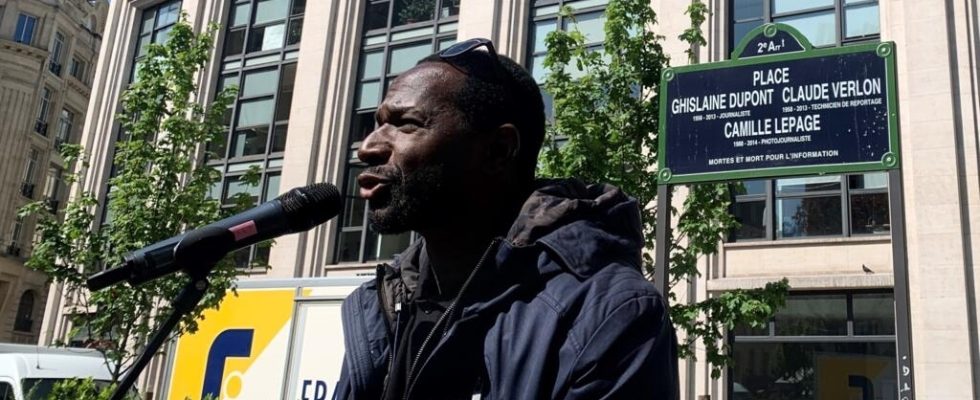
586	226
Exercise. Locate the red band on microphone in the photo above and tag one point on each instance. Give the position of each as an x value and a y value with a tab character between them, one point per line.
243	230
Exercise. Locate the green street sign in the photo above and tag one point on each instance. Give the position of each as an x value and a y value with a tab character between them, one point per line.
779	108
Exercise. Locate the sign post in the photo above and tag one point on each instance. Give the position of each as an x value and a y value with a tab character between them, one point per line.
781	108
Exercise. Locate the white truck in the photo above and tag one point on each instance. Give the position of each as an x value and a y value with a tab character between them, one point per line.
277	339
29	372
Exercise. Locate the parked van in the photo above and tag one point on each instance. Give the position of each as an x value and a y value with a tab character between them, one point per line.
34	370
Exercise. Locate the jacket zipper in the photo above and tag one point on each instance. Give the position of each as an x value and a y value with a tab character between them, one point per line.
442	318
392	342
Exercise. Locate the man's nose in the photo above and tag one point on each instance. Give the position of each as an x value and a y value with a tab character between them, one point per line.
375	149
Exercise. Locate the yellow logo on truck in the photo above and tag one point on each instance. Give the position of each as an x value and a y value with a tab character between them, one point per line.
243	342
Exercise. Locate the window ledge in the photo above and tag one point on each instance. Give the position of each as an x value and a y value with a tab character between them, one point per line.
810	242
813	282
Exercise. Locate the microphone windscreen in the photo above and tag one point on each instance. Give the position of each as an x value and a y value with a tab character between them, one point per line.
309	206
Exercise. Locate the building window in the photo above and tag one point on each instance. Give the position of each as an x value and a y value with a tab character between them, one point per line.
835	205
396	35
267	189
24	33
155	26
259	26
77	69
259	55
65	123
52	189
589	17
823	22
822	343
43	108
30	170
57	47
25	312
16	234
813	206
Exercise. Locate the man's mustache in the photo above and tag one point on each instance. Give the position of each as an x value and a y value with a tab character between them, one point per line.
390	173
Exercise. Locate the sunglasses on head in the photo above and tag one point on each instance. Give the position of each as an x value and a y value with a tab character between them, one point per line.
464	57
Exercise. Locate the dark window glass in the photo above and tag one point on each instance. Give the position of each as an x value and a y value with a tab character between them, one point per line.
377	16
279	138
812	315
811	371
869	213
355	206
348	246
748	330
295	31
449	8
249	141
751	218
874	314
299	6
809	216
286	85
25	313
363	125
241	257
234	42
412	11
262	252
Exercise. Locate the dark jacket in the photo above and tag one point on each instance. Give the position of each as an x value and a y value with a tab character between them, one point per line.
561	311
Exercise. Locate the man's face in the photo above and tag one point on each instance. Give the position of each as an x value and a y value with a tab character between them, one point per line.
420	157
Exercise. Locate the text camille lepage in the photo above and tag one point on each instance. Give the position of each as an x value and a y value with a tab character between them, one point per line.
817	96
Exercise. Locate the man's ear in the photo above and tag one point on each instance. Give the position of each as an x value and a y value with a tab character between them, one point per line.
503	145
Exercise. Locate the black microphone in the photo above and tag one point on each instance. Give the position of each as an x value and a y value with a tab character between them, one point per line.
295	211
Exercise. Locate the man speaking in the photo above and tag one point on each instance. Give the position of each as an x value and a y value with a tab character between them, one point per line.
518	288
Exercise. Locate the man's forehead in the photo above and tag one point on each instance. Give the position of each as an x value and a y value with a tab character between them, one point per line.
426	81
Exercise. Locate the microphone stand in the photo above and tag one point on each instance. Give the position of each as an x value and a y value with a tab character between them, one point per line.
190	295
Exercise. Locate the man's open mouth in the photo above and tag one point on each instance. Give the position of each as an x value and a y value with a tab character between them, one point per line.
373	185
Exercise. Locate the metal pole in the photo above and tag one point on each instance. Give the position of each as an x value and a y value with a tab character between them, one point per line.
903	323
660	275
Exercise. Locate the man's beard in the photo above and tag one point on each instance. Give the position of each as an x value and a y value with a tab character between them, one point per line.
411	201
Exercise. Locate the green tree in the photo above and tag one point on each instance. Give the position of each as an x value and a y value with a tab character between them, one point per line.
605	129
160	188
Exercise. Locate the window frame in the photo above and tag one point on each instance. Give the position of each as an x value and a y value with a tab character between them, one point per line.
76	68
384	40
56	53
839	8
734	339
771	197
22	32
25	316
234	68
